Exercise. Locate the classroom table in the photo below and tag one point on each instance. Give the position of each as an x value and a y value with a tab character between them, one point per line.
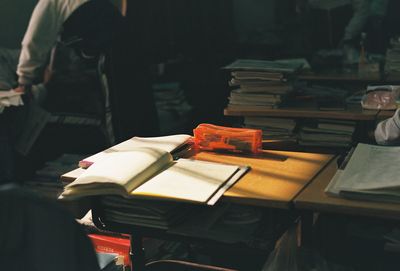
312	199
275	179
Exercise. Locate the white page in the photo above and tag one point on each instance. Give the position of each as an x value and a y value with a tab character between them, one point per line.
372	167
332	188
9	93
166	143
122	167
191	180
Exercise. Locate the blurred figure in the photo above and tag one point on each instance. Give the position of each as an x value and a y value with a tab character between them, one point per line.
368	16
84	24
387	132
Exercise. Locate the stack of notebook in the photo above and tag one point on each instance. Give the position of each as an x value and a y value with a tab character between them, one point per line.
326	133
260	83
276	129
150	213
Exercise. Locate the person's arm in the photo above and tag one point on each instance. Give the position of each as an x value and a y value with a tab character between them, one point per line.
357	22
44	26
387	132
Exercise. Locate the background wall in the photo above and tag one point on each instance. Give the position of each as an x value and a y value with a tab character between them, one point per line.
253	19
14	18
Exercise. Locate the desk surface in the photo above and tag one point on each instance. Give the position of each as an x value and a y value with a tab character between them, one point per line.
314	198
350	114
275	178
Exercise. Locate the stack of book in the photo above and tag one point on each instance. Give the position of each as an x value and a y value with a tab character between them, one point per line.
392	62
323	97
326	133
47	178
231	224
260	83
276	129
150	213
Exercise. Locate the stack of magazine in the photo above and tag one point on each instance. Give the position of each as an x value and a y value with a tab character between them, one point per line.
276	129
369	172
260	83
326	133
149	213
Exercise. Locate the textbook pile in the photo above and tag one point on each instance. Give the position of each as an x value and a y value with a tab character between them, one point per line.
276	129
326	133
150	213
260	83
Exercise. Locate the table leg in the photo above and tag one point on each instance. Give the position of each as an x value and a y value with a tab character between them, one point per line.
307	221
137	253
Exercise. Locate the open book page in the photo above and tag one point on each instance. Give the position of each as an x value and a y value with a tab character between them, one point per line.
372	167
332	188
119	172
166	143
190	180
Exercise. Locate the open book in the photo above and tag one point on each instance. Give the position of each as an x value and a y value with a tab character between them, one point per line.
152	173
371	173
167	143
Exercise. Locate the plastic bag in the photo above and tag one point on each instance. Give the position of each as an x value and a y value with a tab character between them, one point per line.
287	255
283	257
381	97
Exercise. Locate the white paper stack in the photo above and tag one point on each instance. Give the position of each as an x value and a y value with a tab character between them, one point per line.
9	98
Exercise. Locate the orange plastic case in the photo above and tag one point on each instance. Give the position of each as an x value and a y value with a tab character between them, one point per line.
219	138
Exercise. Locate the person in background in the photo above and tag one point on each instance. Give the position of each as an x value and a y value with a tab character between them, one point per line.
85	27
367	15
87	24
387	132
364	11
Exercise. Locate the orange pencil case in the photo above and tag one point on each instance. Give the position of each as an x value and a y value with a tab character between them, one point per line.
219	138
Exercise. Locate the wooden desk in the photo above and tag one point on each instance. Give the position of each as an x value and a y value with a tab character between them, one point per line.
350	114
274	180
313	198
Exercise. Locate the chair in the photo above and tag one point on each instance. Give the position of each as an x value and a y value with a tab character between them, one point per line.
37	234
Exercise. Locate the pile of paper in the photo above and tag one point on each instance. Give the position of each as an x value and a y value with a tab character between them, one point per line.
371	173
281	129
9	98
